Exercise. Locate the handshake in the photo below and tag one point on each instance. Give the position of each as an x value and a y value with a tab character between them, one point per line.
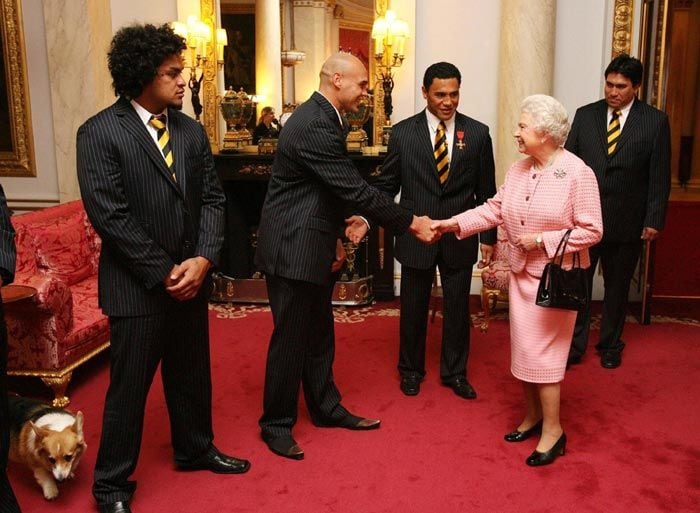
423	228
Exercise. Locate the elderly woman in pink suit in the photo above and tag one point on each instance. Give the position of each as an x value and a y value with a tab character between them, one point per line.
542	197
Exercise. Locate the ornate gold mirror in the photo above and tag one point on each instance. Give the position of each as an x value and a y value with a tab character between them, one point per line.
16	143
350	27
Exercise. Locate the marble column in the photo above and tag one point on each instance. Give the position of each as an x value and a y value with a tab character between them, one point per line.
78	33
310	37
526	66
268	64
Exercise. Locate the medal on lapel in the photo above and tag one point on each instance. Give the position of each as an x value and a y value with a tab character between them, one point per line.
460	139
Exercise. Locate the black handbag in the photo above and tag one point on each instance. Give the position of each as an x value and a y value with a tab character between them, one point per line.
561	288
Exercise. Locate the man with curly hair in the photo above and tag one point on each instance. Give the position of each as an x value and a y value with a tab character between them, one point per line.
147	179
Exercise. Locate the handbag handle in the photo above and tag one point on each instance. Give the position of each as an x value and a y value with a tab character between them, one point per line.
565	240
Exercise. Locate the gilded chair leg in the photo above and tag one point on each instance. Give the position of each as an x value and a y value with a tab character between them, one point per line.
59	384
485	307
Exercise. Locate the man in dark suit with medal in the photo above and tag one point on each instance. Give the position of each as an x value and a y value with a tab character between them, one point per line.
627	144
149	187
313	185
442	162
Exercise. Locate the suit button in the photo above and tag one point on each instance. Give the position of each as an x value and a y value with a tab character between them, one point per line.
522	223
527	198
534	176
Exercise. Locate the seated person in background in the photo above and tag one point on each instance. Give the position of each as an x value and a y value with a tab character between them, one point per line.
267	125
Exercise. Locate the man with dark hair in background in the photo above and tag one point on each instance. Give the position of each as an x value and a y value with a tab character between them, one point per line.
627	144
442	162
149	187
8	502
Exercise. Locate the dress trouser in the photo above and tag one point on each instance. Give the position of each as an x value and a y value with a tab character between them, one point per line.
301	352
8	502
179	341
618	261
415	299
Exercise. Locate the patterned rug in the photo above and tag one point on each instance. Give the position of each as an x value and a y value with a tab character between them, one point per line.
355	314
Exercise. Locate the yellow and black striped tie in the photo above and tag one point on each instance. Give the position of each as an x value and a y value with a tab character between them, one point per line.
158	122
614	131
442	159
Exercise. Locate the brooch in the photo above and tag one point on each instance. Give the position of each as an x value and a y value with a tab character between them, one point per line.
559	173
460	141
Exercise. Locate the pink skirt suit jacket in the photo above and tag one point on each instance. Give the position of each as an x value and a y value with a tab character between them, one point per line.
561	196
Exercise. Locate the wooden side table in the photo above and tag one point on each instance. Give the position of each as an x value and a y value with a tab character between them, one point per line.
13	293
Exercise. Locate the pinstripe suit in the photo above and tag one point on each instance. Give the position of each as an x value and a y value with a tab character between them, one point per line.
149	223
313	182
410	167
8	503
634	184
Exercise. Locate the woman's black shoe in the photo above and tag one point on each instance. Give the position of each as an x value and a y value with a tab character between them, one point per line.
537	458
519	436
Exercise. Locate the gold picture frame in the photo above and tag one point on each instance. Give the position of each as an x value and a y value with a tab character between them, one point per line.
16	140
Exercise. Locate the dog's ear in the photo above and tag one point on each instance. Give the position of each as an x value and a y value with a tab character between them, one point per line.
78	424
39	432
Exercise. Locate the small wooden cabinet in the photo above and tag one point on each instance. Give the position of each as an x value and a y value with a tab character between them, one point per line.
244	178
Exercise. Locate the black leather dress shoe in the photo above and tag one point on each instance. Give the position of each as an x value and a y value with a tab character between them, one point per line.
217	462
610	359
537	459
410	385
115	507
358	423
519	436
284	446
461	387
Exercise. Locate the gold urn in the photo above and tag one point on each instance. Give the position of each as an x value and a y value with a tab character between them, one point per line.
237	109
357	138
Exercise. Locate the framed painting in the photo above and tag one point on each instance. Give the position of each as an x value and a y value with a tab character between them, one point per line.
16	142
239	54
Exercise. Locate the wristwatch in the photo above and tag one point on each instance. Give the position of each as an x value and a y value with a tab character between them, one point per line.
538	241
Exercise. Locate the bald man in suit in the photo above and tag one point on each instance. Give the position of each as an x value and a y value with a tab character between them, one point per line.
8	502
149	187
632	162
313	183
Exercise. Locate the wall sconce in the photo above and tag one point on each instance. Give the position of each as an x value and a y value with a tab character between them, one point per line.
198	37
389	35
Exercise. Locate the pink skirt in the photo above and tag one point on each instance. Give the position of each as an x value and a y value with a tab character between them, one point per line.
539	337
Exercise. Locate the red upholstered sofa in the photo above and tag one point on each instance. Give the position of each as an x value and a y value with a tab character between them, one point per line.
61	327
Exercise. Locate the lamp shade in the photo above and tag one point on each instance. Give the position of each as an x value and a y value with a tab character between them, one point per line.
221	37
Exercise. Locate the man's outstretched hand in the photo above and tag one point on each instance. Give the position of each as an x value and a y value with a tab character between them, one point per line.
421	229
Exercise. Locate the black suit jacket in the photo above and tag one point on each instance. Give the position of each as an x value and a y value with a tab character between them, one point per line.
313	185
7	242
634	181
147	222
410	167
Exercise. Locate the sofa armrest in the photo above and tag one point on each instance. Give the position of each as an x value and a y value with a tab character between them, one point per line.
53	296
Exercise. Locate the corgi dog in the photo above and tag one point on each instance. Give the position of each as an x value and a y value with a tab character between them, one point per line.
48	440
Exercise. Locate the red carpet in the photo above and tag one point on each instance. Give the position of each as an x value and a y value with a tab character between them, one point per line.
633	432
